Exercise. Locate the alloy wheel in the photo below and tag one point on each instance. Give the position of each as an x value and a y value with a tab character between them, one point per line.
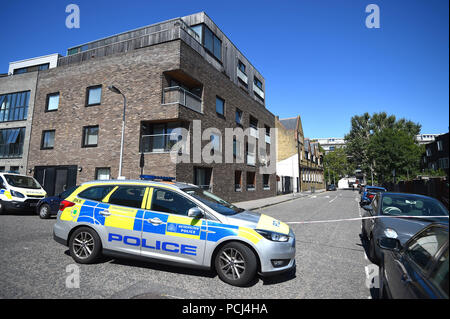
232	263
83	245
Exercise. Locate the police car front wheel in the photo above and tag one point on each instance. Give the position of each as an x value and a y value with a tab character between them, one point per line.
236	264
85	245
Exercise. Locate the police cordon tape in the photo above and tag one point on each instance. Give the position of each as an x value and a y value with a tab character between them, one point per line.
362	218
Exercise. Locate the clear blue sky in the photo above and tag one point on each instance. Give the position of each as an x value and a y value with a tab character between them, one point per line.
317	56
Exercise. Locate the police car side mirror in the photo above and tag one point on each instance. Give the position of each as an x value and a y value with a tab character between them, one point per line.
195	213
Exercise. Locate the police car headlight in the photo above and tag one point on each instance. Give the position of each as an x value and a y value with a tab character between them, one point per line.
272	235
17	194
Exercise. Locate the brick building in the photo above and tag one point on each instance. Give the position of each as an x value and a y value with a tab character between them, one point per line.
171	73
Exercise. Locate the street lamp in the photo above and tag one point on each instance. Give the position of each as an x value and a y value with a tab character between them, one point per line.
112	88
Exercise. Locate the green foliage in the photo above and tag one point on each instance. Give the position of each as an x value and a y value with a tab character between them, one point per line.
336	165
379	143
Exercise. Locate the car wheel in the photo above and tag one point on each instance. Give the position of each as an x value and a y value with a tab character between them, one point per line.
363	230
372	253
236	264
2	208
44	211
85	245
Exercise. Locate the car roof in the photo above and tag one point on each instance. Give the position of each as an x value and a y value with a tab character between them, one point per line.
177	185
407	194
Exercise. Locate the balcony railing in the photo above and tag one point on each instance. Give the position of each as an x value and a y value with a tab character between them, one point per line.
158	143
258	91
176	94
241	75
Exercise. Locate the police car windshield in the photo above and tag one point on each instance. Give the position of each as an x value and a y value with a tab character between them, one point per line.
218	204
22	181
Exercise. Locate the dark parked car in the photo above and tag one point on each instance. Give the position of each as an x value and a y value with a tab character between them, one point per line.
419	269
385	206
331	187
369	193
49	206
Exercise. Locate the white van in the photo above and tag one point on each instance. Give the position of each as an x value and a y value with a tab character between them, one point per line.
19	192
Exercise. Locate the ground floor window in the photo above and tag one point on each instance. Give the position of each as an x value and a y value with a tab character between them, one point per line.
102	173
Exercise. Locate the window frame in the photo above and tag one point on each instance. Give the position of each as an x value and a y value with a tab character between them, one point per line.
88	93
221	115
85	128
43	139
48	101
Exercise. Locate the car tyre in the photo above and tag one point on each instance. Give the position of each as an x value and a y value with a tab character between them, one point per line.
44	211
236	264
2	208
85	245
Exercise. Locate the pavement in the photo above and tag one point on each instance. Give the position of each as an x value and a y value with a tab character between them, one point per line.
331	261
269	201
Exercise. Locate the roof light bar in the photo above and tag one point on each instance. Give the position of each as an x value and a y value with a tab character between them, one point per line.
153	177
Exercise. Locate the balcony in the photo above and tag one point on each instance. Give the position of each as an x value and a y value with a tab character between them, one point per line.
178	95
241	75
159	143
258	91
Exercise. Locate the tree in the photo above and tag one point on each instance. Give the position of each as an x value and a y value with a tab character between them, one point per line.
363	129
336	165
394	149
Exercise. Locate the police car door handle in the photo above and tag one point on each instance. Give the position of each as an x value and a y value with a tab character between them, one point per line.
155	220
105	213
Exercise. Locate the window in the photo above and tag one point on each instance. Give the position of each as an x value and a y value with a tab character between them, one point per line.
52	102
14	169
439	145
215	142
266	179
2	169
170	202
253	122
428	151
424	247
236	148
241	66
440	274
238	181
209	40
102	173
257	82
96	193
130	196
159	137
202	177
11	142
14	106
32	68
93	95
251	181
220	106
238	116
48	140
90	136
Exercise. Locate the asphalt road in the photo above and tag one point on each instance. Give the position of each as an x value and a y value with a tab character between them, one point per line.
330	258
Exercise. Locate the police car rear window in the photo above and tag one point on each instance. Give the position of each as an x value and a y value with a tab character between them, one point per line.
96	193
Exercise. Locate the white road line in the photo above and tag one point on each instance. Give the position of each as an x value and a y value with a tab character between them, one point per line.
332	199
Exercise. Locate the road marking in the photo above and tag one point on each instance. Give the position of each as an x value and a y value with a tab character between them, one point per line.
332	199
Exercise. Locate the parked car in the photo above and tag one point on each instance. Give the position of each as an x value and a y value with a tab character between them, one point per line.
369	193
419	268
19	192
173	222
49	206
331	187
385	206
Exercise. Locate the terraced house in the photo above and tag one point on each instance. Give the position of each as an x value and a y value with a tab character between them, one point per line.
311	166
171	73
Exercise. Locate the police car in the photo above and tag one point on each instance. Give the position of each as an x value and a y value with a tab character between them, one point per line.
175	223
19	192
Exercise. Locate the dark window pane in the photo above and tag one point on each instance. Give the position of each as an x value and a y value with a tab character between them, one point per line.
130	196
170	202
217	48
209	39
423	248
220	105
96	193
